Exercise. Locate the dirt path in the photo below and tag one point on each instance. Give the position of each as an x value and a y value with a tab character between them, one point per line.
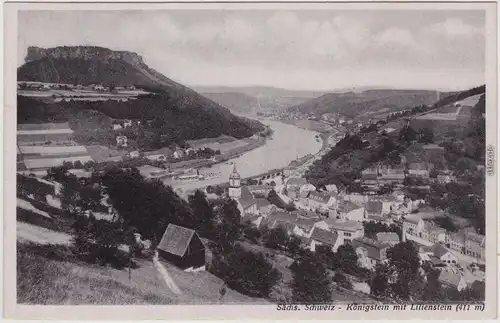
166	277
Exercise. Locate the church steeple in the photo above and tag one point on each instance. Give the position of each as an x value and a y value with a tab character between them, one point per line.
234	184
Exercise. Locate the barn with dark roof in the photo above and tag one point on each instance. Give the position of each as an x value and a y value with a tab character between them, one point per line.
182	247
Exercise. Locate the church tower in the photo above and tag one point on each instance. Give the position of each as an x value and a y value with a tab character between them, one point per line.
235	184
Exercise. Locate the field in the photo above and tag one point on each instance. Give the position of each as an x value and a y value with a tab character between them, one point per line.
102	153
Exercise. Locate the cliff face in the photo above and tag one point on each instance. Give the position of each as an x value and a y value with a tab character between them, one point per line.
83	52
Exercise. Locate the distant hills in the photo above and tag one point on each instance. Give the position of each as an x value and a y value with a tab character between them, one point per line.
179	112
259	91
368	103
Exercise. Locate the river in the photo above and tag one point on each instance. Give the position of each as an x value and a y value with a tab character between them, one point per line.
286	144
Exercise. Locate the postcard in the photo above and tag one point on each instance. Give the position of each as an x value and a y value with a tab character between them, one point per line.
228	160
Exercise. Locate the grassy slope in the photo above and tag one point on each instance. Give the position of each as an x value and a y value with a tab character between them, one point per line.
49	275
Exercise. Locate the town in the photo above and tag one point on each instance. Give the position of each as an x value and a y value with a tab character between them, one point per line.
314	161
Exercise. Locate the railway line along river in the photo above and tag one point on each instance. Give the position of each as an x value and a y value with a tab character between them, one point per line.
286	144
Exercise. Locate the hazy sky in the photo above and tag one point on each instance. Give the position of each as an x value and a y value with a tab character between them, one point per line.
317	50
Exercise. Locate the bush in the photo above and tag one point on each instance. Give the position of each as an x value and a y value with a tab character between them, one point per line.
97	241
247	272
342	280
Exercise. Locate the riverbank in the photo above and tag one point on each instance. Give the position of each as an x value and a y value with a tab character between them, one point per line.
253	142
286	144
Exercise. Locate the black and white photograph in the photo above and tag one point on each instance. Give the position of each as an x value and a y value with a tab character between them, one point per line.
304	160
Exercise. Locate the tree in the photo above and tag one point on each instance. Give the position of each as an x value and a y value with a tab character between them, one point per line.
328	256
251	232
203	214
310	283
247	272
294	244
228	226
379	285
276	238
90	198
342	280
147	205
426	136
404	263
347	258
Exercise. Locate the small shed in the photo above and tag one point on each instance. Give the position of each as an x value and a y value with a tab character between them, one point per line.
182	247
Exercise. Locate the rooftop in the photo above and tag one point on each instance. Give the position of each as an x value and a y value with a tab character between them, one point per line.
324	236
449	278
373	248
176	240
374	207
387	237
348	225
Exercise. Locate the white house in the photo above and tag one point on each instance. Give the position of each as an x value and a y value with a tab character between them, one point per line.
413	225
127	123
117	126
346	230
121	141
320	200
178	153
306	188
433	233
323	237
134	154
441	253
370	252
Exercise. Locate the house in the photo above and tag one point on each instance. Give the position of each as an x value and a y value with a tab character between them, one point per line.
303	227
121	141
475	245
98	87
370	252
179	153
391	175
346	230
456	241
370	173
264	206
445	178
373	209
259	190
413	225
321	201
134	154
439	252
305	189
247	205
295	182
182	247
154	156
254	219
421	170
280	219
332	188
453	280
433	233
127	123
293	192
320	237
349	211
390	238
117	127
